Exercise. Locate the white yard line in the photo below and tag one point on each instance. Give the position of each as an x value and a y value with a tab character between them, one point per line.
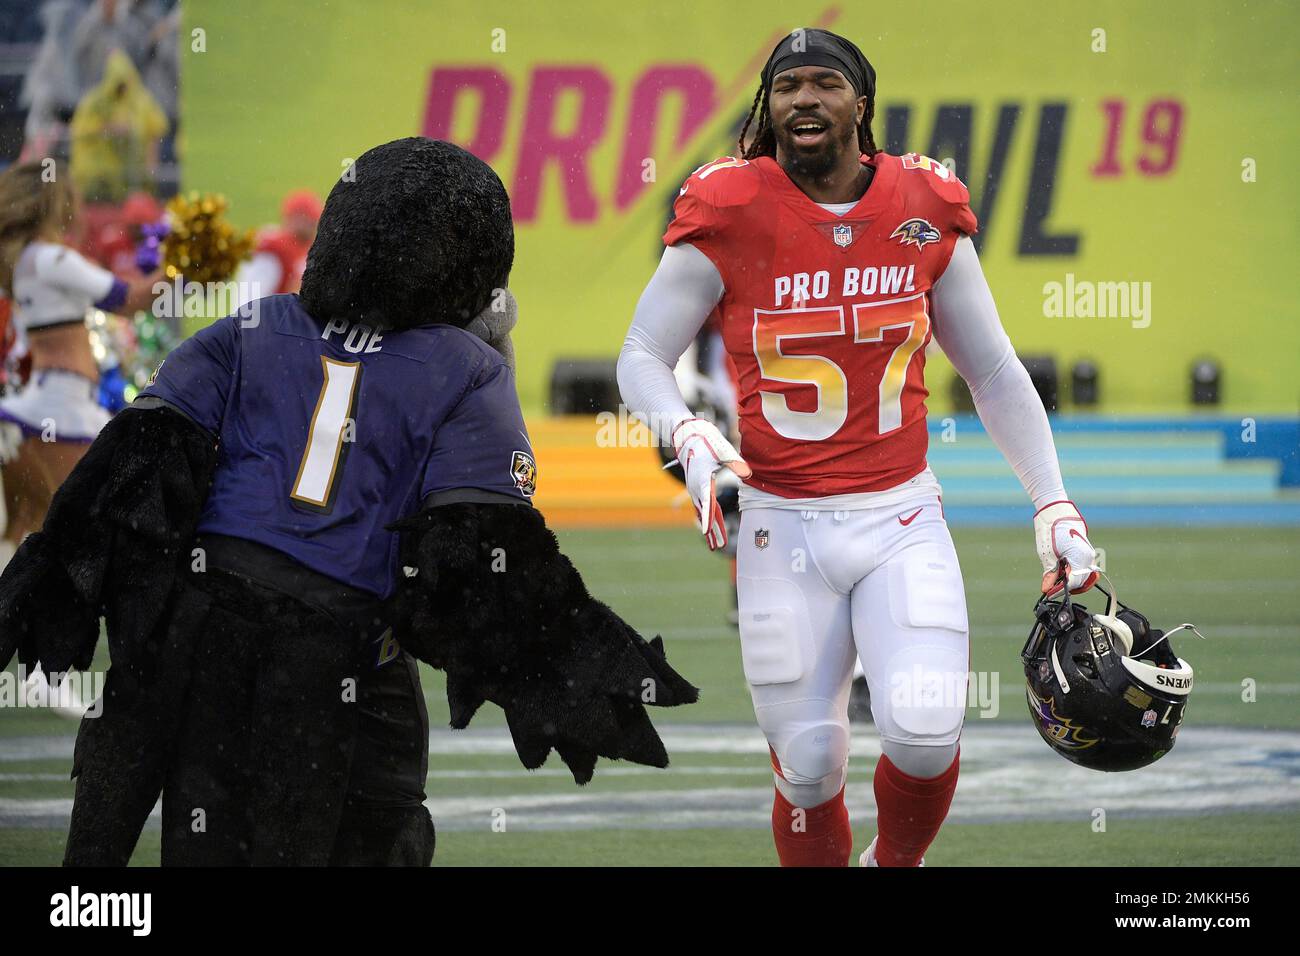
725	632
1007	774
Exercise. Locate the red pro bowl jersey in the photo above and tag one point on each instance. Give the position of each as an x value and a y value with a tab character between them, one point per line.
827	317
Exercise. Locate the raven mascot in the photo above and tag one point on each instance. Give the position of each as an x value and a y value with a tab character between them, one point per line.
307	496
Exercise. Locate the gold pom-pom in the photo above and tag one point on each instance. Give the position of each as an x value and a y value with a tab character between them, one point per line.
202	246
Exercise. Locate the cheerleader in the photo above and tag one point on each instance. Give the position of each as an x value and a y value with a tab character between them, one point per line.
52	287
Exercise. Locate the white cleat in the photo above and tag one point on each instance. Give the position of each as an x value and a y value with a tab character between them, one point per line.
868	857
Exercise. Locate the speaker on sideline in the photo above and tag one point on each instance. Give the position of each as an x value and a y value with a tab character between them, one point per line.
584	386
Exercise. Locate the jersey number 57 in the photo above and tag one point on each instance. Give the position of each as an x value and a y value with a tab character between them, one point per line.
908	318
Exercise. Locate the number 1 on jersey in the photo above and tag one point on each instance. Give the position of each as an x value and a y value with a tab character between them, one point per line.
335	414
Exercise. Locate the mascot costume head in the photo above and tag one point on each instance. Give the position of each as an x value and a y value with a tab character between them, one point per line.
417	231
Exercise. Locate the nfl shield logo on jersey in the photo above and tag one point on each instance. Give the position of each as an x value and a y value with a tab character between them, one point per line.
760	538
1149	719
843	235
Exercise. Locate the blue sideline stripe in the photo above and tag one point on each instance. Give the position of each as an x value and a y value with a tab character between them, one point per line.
1218	514
1275	438
1227	484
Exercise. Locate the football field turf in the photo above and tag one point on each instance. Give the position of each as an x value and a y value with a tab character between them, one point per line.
1228	794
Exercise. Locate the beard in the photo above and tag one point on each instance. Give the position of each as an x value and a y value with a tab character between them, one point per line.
814	164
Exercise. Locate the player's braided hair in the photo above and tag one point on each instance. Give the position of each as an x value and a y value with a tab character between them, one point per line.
764	141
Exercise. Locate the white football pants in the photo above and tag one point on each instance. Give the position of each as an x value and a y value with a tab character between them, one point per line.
816	589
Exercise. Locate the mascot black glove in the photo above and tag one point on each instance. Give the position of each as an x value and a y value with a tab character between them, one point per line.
490	600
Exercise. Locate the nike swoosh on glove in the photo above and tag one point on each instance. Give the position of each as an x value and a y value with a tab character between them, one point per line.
702	451
1061	536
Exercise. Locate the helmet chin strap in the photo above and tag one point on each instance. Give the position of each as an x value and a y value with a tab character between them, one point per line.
1122	632
1165	636
1112	623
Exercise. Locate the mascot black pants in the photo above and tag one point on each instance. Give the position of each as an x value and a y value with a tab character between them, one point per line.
298	732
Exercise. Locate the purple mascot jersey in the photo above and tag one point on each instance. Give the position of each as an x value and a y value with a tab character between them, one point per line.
330	433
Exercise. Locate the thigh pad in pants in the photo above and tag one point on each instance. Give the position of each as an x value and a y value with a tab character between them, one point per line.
796	687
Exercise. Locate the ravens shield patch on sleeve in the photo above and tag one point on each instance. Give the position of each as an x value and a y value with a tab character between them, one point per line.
523	469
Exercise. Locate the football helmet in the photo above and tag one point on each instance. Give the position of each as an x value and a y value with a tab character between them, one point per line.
1106	691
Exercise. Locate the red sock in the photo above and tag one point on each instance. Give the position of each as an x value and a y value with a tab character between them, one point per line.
909	811
816	836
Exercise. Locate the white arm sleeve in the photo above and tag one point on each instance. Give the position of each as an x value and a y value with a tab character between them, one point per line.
967	328
671	312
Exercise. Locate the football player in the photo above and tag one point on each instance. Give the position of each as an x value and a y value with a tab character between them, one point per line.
833	265
280	258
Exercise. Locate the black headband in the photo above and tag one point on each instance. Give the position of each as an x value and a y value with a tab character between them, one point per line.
814	47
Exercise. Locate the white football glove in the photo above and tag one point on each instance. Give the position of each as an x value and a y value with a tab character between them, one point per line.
1061	536
702	451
